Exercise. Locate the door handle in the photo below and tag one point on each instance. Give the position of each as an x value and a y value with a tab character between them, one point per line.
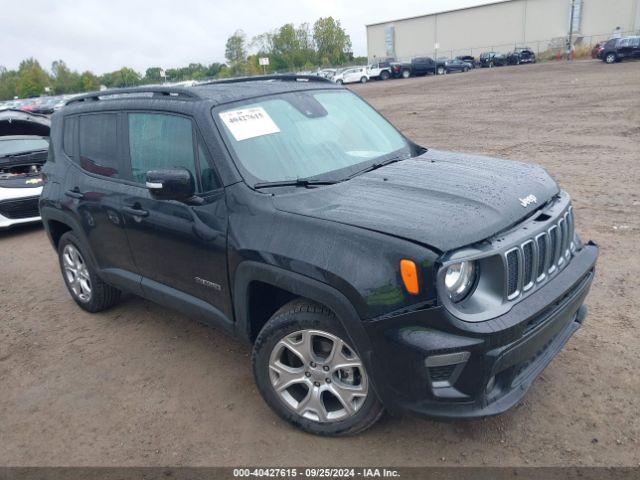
136	212
75	193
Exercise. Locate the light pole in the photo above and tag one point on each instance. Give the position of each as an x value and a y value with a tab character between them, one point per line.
570	47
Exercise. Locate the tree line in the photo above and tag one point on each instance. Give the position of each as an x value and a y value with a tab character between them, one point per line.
289	48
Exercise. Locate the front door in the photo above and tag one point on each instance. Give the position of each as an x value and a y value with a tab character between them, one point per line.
179	249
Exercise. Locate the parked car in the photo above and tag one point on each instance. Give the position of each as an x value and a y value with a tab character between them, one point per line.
45	105
618	49
428	66
327	73
456	65
469	59
379	71
521	55
352	75
24	142
597	48
492	59
367	271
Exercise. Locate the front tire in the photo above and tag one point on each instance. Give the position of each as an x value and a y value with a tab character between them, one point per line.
309	374
406	74
339	82
610	58
81	279
441	71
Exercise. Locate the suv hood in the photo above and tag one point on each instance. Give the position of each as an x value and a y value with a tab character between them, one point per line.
442	199
17	122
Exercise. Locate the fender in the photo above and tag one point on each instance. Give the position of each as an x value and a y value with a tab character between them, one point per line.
250	271
69	220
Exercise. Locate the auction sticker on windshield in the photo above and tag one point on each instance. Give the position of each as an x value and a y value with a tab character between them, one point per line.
249	123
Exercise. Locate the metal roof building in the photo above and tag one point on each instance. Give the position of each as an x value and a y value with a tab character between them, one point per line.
500	26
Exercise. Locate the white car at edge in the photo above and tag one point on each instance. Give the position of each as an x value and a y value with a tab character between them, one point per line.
24	143
352	75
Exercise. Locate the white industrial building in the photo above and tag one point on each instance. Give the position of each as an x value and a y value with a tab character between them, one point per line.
501	26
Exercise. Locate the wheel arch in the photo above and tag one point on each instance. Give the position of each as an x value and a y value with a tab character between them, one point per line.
57	223
250	275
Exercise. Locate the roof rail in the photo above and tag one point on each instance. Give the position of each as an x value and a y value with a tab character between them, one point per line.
283	77
158	91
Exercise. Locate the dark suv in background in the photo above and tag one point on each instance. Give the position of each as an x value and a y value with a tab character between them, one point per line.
492	59
368	272
521	55
619	49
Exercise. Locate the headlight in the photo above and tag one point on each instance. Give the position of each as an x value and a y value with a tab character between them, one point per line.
459	279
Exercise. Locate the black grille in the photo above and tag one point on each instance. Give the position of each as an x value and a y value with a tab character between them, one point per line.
542	253
527	263
553	236
571	229
512	272
441	374
547	252
20	208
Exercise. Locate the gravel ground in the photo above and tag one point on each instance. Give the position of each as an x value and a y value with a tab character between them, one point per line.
140	385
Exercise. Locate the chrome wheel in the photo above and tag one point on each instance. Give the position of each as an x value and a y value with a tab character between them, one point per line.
76	273
610	58
318	376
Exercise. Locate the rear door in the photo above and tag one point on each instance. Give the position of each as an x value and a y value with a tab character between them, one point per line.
175	245
94	188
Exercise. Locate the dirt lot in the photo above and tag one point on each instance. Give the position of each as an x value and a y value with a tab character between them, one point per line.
139	385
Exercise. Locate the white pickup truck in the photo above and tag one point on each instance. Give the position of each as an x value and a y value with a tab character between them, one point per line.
379	71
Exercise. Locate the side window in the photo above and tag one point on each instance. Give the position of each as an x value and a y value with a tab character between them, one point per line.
207	174
69	127
99	144
159	141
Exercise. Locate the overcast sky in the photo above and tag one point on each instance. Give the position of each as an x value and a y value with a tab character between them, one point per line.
104	35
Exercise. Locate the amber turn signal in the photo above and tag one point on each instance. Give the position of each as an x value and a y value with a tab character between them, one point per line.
409	273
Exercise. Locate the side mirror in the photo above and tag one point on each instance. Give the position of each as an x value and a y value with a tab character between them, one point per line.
171	184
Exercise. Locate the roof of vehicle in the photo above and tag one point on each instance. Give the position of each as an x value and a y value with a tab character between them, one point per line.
218	92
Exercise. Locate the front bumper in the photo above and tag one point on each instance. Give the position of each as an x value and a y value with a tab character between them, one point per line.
19	205
495	361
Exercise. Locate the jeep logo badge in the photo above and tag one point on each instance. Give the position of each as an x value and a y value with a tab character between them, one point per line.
528	200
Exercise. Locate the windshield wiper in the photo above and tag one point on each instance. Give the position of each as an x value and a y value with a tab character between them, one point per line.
377	165
300	182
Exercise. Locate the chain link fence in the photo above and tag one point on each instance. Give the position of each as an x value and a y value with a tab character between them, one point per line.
550	49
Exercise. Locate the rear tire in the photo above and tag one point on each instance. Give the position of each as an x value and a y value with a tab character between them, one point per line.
406	74
363	80
80	277
384	75
338	82
441	71
296	364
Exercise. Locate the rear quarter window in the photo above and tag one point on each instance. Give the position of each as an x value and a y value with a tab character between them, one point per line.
68	136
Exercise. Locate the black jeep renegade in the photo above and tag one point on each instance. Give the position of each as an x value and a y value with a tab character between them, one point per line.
368	272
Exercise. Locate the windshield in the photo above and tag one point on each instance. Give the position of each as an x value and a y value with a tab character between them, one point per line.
308	134
13	146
